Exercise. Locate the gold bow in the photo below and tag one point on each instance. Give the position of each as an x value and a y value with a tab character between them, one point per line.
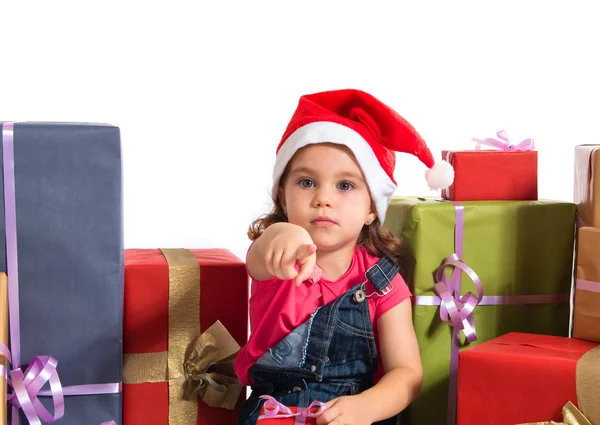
194	364
587	382
571	416
209	370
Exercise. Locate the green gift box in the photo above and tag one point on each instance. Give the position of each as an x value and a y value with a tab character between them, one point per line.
522	253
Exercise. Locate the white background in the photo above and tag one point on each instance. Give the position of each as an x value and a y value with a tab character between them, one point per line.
202	91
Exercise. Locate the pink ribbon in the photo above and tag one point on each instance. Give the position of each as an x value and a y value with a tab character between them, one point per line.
587	285
459	311
504	144
27	386
273	409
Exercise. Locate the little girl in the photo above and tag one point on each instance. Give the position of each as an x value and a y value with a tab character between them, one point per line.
330	314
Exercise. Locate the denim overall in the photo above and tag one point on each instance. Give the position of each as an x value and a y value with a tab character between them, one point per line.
332	354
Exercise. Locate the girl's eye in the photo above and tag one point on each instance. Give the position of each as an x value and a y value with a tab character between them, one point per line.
307	183
345	186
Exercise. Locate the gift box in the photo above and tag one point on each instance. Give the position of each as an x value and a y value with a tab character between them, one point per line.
508	173
586	312
492	175
523	378
62	250
587	184
520	255
186	316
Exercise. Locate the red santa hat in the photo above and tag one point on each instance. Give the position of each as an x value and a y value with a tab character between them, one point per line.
370	129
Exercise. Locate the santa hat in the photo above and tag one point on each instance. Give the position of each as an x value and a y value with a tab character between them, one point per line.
370	129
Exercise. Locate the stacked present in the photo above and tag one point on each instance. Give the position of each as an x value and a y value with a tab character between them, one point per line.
586	319
529	378
73	301
488	260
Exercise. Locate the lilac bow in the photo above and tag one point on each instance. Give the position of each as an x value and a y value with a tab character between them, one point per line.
273	409
525	145
27	387
455	310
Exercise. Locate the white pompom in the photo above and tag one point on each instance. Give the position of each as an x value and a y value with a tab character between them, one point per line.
440	176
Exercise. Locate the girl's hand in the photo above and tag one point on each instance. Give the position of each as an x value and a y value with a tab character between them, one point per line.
291	244
347	410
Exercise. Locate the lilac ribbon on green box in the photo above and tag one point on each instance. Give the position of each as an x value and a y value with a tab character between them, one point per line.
27	386
459	311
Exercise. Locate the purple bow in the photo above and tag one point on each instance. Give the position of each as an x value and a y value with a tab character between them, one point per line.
26	387
504	144
273	409
455	310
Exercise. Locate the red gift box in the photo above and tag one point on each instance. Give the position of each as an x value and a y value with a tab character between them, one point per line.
524	378
172	297
484	175
275	413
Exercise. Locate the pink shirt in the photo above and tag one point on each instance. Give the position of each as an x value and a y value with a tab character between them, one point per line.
278	307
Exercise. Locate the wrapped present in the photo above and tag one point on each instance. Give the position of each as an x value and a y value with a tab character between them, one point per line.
186	316
273	412
62	251
586	313
509	173
587	184
526	378
511	264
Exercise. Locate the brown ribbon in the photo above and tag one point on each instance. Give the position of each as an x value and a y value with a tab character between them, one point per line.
194	365
588	393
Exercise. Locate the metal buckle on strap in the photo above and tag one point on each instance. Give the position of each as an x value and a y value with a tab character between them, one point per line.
387	289
379	293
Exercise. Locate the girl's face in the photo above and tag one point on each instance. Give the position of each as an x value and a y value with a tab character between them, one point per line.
325	192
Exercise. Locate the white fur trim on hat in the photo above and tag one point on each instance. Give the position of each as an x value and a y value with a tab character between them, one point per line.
381	186
440	176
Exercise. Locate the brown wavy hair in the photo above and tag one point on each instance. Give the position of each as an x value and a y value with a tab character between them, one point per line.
377	240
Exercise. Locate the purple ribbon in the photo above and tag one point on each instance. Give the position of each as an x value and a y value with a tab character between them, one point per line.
587	285
504	144
273	409
459	311
27	386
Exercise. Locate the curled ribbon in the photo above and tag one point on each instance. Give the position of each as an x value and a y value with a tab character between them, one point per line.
273	409
26	388
455	310
504	144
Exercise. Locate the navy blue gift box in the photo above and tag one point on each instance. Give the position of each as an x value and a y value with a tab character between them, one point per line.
67	200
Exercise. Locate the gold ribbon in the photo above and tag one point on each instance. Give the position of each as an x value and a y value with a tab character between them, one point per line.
209	370
571	416
194	365
588	393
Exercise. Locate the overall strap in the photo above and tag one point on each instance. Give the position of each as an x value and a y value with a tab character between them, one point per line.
381	274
